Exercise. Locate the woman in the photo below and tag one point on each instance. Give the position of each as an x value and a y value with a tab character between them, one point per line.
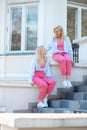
40	74
62	53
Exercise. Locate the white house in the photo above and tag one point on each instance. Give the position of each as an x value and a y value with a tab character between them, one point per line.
25	24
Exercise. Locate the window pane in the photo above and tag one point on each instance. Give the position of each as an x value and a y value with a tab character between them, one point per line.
15	32
71	22
84	22
31	28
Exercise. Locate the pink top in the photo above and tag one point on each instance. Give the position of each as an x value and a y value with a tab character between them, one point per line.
60	45
43	65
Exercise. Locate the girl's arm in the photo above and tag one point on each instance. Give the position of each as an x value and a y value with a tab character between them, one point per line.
48	70
32	69
48	46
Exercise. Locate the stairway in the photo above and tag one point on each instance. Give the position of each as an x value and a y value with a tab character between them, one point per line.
71	102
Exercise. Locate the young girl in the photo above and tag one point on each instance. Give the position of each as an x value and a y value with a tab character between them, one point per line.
40	74
62	53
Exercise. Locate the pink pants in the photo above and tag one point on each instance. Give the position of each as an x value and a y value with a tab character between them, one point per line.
46	85
65	62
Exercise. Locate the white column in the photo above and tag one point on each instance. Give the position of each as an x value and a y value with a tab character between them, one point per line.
2	25
41	21
55	13
3	40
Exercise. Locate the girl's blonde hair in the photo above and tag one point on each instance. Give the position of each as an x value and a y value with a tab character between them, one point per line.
60	28
39	51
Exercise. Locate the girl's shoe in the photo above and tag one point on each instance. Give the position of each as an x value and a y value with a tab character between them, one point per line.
45	102
41	105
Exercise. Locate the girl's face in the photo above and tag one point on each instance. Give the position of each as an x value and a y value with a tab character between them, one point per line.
43	52
57	33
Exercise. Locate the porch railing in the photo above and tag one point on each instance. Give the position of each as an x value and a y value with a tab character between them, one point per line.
75	48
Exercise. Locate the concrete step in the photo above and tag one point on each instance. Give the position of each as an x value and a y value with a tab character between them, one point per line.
21	111
70	104
52	110
80	88
2	109
76	96
58	110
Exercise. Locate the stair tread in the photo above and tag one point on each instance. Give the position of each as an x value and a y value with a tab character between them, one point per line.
50	109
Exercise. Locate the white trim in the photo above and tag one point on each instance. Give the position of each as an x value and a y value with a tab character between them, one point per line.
75	4
23	29
79	23
17	76
80	40
13	2
41	10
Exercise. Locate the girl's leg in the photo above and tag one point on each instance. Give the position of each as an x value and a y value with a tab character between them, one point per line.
43	86
51	84
41	83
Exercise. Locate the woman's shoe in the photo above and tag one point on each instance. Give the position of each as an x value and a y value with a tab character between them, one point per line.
69	83
65	84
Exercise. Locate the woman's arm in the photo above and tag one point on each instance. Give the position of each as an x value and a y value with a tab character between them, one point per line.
68	47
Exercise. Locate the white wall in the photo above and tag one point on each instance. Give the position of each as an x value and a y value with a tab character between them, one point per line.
55	14
82	42
51	14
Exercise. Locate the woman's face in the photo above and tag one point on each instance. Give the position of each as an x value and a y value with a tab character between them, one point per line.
57	33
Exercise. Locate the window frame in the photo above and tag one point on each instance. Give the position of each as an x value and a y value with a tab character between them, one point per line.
79	8
22	50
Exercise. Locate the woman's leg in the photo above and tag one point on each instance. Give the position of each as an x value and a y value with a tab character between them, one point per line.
62	62
68	64
68	69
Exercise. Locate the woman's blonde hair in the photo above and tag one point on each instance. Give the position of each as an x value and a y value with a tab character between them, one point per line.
60	28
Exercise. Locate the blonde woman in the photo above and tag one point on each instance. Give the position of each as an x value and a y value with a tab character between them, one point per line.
62	53
40	74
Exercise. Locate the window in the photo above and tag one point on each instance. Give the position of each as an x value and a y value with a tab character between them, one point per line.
16	26
31	28
23	28
76	19
72	22
84	22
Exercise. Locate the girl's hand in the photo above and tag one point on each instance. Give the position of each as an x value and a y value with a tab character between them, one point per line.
31	84
73	63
